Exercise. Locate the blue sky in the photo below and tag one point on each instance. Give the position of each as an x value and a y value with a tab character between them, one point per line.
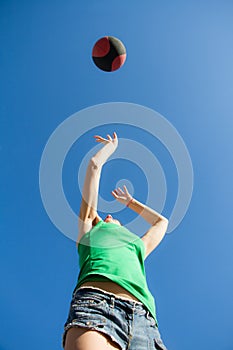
179	63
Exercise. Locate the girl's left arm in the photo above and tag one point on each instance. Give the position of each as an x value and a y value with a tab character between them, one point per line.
158	222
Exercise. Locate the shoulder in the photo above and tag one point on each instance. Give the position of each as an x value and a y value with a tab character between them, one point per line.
85	226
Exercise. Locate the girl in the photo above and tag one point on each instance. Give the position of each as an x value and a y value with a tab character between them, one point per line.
111	306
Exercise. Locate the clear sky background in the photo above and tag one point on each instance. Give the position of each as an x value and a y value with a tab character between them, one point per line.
179	63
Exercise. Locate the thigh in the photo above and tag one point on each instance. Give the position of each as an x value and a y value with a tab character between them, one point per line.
79	338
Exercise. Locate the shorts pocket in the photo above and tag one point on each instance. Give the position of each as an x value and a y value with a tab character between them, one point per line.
88	321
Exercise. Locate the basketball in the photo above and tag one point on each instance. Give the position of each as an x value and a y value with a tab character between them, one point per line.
109	54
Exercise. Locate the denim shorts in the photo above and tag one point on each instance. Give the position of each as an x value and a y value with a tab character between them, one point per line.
126	322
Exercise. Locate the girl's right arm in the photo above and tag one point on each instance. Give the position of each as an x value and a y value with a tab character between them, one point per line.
88	210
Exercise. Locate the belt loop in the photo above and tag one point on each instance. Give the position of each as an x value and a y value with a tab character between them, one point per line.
133	308
112	302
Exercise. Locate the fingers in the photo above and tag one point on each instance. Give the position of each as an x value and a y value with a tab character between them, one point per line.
126	190
99	138
118	191
114	194
109	138
119	194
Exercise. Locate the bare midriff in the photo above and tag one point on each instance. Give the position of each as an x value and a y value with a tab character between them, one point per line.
110	287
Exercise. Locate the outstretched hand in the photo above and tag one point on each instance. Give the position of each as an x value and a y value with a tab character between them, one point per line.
122	196
109	140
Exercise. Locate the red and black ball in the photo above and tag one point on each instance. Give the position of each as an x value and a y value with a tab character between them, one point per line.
109	54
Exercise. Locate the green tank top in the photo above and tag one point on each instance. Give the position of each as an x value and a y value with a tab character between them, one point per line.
111	252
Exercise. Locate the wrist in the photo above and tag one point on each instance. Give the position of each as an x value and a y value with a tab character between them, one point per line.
129	202
108	150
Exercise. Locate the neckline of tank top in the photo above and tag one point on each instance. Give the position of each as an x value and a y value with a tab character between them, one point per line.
110	224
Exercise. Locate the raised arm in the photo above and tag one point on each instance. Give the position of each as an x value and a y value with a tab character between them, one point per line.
88	210
159	223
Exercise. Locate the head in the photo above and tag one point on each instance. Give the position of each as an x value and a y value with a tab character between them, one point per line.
110	219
